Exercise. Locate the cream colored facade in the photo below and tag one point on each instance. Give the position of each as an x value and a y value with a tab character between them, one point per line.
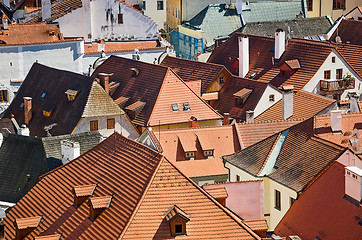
173	13
325	7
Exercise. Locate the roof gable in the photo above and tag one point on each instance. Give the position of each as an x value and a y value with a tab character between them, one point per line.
345	28
54	83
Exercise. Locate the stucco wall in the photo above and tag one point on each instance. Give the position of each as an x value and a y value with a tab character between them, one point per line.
325	7
264	102
122	125
158	16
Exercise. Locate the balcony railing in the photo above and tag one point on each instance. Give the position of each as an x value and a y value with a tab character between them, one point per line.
336	85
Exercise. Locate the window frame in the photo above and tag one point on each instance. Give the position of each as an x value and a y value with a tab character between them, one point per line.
333	59
237	178
175	107
186	106
160	5
221	80
341	3
327	74
4	96
189	155
339	73
277	200
208	153
93	125
271	98
111	123
309	5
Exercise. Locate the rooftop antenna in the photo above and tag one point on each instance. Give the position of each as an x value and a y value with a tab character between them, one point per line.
48	128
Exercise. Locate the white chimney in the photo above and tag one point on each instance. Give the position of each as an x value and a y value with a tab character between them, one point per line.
336	120
243	56
45	9
279	44
7	3
1	139
353	182
24	130
69	150
287	101
5	23
250	116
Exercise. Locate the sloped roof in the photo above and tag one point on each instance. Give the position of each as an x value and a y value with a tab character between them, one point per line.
351	53
226	104
155	85
251	133
300	27
19	156
217	192
227	20
221	139
144	186
305	105
321	211
6	126
301	159
114	47
66	114
189	70
311	55
262	11
349	31
256	225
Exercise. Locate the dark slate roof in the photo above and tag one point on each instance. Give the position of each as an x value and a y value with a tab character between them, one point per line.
302	158
6	126
54	83
86	140
19	156
349	31
301	27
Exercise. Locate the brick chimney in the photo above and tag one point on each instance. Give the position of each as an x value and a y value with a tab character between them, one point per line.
104	81
279	43
226	120
249	116
69	150
243	56
27	110
193	122
45	9
287	101
336	120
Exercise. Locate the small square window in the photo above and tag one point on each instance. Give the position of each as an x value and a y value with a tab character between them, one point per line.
327	74
94	125
333	59
271	98
178	228
110	123
159	5
43	95
221	80
190	155
186	106
237	178
21	105
174	107
209	153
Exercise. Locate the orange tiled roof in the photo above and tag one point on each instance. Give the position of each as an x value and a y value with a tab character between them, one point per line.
101	202
144	186
311	55
84	190
305	105
256	225
155	85
217	192
114	47
25	34
28	222
49	237
251	133
221	139
349	31
321	211
175	211
351	53
190	70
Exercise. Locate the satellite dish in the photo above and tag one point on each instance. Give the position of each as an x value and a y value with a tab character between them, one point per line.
338	39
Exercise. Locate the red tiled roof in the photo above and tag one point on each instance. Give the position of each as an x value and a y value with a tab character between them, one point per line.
155	85
49	237
144	186
190	70
100	202
84	190
305	105
311	55
25	34
251	133
114	47
256	225
321	211
349	31
217	192
351	53
27	222
221	139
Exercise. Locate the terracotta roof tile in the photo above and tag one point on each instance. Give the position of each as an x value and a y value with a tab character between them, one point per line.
188	142
301	110
218	192
351	53
256	225
101	202
49	237
345	28
175	211
114	47
311	55
320	205
222	139
190	70
243	93
293	64
84	190
155	85
135	105
251	133
28	222
144	186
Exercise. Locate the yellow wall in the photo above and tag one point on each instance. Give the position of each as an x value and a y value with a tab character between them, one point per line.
327	8
190	32
215	86
171	19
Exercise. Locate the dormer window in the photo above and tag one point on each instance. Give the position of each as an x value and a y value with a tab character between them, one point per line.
288	67
241	96
134	109
97	205
186	106
23	226
177	220
189	155
174	107
48	109
71	94
221	80
82	192
208	153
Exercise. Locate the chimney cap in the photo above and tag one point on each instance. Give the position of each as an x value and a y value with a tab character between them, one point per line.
105	74
279	30
27	98
287	87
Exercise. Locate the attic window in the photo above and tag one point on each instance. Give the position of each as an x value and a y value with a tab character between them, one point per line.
186	106
208	153
4	96
174	107
21	105
82	192
135	72
71	94
241	96
43	95
134	109
221	80
97	205
48	109
177	220
271	98
189	155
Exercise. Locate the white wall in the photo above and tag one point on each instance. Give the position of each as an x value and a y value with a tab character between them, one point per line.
122	125
313	85
158	16
264	102
354	14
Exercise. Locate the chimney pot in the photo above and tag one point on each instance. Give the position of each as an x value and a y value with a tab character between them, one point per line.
243	56
279	44
250	116
27	110
226	120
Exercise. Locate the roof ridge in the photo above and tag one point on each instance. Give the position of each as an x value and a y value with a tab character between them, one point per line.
193	61
327	142
216	184
194	128
272	121
140	62
270	152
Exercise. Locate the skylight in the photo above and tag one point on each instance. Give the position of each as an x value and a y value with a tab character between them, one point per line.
174	107
186	106
43	95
